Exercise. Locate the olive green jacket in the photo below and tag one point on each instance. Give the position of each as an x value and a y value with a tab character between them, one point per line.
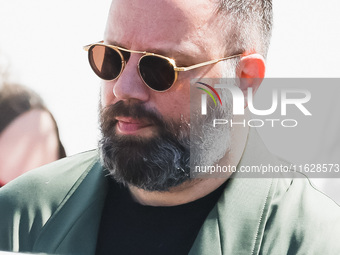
56	209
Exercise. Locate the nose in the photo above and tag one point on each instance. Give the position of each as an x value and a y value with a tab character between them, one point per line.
129	85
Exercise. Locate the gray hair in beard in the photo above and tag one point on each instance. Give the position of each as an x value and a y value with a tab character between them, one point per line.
163	161
209	144
153	164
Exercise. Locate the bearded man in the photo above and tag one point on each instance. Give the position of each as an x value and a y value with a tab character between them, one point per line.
135	194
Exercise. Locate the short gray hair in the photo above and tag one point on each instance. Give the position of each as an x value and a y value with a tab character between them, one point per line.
248	25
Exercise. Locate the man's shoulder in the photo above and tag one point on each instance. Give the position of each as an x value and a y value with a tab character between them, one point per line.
299	196
31	200
50	182
301	218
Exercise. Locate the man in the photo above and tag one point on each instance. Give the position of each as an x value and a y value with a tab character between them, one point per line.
147	203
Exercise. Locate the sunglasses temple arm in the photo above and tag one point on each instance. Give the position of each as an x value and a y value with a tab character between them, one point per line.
204	63
87	47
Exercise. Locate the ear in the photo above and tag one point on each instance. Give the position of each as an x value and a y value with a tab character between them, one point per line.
251	70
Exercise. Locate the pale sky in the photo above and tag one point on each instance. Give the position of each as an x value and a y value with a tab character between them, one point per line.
42	40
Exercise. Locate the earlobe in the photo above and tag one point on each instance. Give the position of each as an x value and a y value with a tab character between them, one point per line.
251	71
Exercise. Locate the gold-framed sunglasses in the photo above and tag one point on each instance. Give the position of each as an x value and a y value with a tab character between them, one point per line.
158	72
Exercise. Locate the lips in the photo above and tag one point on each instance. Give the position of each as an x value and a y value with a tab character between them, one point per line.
131	126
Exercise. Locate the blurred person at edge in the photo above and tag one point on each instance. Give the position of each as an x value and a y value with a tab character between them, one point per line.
134	195
29	135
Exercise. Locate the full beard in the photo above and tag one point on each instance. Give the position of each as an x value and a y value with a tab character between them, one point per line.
163	161
155	163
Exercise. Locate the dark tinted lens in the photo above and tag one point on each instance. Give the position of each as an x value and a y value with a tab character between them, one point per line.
105	62
126	55
158	73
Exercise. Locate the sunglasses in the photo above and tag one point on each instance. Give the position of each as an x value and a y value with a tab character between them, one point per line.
158	72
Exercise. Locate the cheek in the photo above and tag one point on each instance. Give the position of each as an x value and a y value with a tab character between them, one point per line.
106	93
175	103
195	99
176	110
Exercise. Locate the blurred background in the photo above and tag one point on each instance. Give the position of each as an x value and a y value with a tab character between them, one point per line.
41	42
41	46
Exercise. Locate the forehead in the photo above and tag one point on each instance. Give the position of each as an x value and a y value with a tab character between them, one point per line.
169	25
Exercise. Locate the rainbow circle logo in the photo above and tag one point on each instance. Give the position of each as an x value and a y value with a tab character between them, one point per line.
209	93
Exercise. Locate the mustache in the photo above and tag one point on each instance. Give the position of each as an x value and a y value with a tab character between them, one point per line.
108	114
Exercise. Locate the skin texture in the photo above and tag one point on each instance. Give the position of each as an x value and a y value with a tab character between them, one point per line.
189	32
32	138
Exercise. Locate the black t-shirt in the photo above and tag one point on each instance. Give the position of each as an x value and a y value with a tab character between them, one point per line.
128	227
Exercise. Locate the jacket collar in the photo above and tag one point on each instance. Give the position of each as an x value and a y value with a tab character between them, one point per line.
73	228
236	224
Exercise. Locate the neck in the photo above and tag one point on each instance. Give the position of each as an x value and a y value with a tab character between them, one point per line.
185	193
